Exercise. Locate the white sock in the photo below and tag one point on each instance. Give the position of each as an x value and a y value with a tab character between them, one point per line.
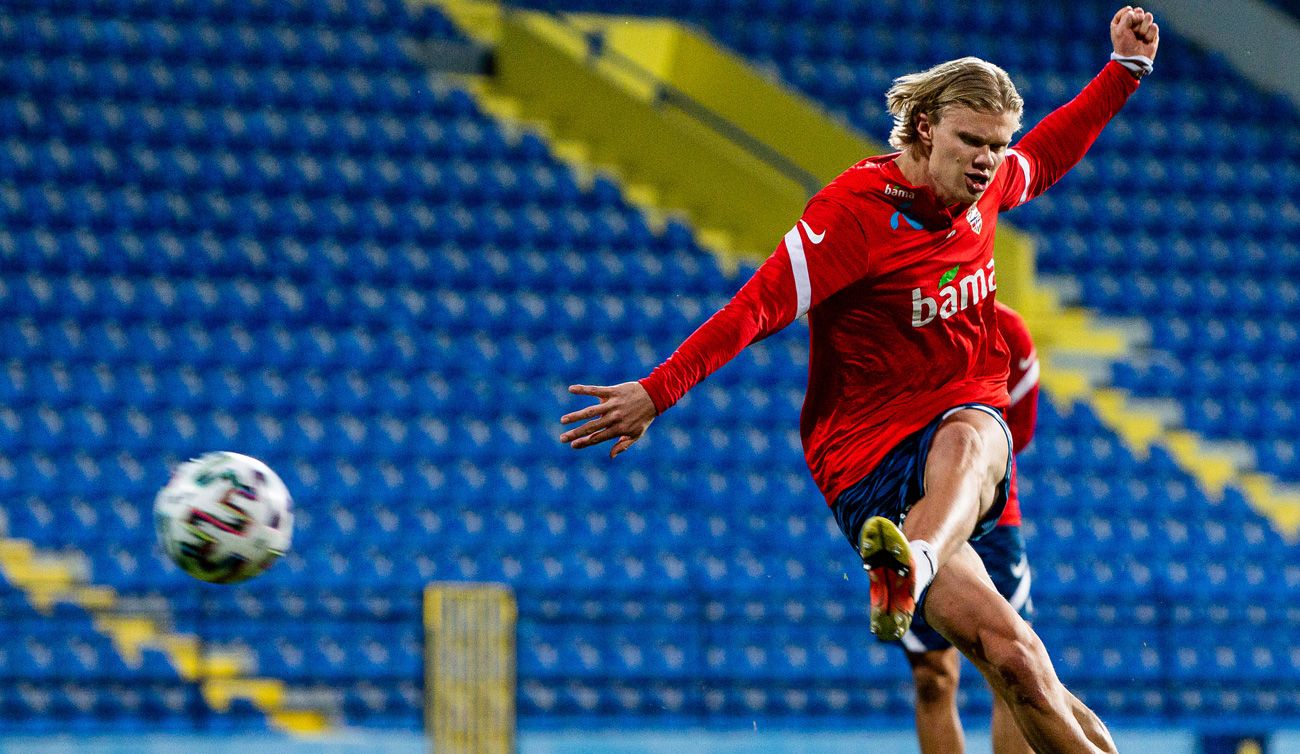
924	563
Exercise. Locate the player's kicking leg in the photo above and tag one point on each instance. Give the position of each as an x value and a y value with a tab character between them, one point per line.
963	605
966	466
935	673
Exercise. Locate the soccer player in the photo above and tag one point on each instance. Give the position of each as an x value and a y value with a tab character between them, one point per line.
936	666
902	423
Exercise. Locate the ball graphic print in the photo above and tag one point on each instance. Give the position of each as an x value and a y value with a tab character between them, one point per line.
224	517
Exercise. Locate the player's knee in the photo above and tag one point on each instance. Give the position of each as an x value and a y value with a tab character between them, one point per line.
961	441
1020	660
934	685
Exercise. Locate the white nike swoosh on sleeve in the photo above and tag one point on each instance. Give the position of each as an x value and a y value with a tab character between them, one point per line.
1026	383
816	238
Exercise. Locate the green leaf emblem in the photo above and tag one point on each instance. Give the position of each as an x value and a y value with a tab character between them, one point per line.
948	276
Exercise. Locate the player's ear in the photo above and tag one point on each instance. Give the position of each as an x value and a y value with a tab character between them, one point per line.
924	130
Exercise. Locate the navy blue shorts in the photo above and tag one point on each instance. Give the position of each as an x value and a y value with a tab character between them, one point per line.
1003	553
898	482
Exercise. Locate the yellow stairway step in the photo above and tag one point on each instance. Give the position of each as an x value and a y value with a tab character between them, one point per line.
572	151
1138	427
44	574
131	628
478	19
183	650
642	194
93	597
1287	517
193	663
266	693
720	242
15	551
128	633
1283	507
301	722
500	106
1078	331
1065	385
1213	470
222	665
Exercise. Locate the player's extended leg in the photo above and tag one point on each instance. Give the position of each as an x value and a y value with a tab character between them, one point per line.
965	467
966	609
1092	725
936	673
1007	738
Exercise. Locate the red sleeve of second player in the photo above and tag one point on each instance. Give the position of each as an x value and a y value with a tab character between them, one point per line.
824	252
1022	384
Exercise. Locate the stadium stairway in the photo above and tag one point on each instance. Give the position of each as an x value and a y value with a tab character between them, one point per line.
48	579
688	127
1078	346
1143	424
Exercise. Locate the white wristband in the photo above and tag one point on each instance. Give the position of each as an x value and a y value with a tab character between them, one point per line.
1138	65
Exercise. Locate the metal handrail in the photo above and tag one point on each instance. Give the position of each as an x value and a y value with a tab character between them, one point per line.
667	95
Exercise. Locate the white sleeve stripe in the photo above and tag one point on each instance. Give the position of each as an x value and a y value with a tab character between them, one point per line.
799	266
1024	168
1026	384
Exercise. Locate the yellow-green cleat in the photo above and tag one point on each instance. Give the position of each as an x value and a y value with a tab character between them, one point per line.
888	559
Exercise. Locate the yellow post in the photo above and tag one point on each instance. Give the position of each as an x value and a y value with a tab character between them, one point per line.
470	668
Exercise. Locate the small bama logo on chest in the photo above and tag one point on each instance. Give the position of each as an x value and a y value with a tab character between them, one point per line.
898	192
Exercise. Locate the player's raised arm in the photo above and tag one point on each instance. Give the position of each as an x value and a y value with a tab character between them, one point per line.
1135	34
822	253
1061	139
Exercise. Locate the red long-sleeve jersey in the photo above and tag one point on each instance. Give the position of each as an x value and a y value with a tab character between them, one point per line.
1022	387
898	289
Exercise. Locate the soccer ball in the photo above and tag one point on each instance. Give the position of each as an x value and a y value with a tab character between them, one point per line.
224	517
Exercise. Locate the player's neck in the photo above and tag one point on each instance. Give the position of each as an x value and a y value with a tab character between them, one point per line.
914	164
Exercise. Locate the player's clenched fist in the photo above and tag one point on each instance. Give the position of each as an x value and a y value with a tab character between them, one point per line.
1134	31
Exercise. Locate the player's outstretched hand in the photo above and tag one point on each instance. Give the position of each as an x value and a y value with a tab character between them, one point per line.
624	412
1134	31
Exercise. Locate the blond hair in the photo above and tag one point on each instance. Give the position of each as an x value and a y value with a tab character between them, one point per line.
965	82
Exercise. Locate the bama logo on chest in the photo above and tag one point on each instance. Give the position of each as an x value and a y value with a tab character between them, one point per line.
955	294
